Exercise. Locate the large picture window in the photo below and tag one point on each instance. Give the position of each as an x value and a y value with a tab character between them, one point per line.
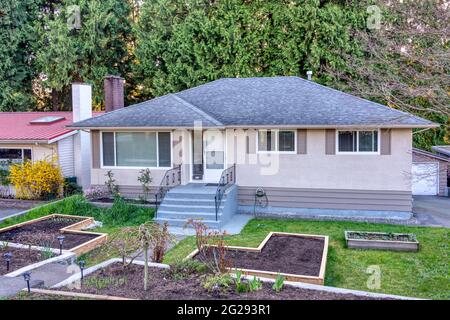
357	141
10	156
136	149
276	140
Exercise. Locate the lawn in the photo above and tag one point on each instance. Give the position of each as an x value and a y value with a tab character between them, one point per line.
424	274
120	215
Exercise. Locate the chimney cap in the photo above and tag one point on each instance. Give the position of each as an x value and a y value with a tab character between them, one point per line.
113	77
309	74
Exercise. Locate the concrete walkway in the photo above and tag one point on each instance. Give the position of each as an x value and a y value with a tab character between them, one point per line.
41	277
432	211
6	213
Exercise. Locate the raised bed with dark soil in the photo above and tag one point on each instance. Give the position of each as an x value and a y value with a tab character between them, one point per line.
297	257
381	241
20	258
282	254
51	227
115	280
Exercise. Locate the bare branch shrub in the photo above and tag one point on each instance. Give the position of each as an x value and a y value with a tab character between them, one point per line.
212	247
124	243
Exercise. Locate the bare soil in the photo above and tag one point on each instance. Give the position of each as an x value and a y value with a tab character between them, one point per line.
282	253
20	258
50	227
115	280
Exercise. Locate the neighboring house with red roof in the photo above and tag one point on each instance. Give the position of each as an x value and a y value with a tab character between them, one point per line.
40	135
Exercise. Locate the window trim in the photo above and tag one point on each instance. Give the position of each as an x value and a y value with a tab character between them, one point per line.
19	148
130	167
357	152
276	151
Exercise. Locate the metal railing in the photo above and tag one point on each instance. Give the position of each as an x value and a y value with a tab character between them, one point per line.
227	179
171	179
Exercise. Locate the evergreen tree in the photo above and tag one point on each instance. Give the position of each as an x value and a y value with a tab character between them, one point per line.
181	44
84	48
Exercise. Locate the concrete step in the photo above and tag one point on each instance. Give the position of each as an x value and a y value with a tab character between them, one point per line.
189	215
188	208
173	194
182	222
189	201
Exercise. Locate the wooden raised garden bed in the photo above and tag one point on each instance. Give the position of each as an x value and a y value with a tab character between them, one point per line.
381	241
297	257
75	240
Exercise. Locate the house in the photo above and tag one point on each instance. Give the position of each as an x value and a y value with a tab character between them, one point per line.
430	172
44	135
276	145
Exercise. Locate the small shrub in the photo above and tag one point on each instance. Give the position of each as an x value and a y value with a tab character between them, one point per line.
96	192
211	246
278	284
219	282
71	187
182	269
145	178
38	180
110	183
47	253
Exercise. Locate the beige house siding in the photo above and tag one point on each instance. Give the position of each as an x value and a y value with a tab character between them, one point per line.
126	178
310	178
443	170
318	170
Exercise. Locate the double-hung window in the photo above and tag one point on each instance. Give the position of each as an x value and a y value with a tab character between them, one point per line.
274	140
10	156
136	149
361	141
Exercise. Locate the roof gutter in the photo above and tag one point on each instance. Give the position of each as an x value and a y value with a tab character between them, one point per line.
374	126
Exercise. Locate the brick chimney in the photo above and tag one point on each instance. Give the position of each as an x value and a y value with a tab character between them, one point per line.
114	95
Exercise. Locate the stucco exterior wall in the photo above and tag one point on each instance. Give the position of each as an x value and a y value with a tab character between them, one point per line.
318	170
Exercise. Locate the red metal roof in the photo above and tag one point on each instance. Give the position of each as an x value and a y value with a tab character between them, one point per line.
17	126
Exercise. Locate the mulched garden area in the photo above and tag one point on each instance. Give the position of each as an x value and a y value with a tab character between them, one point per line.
284	254
115	280
20	258
51	229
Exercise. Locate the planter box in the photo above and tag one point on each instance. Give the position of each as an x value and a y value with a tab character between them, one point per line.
381	241
318	279
75	228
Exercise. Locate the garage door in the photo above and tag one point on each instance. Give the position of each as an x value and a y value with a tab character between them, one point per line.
425	178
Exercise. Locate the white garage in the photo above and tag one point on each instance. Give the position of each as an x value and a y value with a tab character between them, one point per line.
425	178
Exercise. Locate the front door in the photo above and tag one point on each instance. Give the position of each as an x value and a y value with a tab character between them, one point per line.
213	155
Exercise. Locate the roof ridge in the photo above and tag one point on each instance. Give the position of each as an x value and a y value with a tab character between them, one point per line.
197	110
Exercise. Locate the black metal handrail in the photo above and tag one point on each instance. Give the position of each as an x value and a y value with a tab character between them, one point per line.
172	178
227	179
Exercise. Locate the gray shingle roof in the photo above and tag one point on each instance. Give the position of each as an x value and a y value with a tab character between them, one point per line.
275	101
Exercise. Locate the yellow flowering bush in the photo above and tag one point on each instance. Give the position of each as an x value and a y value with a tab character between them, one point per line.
37	180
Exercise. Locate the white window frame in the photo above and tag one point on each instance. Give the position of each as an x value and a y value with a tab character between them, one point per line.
276	141
357	152
22	149
132	167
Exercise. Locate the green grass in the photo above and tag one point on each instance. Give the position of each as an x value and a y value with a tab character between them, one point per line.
423	274
121	214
